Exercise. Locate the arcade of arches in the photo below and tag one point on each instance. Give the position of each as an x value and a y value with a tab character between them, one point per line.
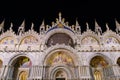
60	52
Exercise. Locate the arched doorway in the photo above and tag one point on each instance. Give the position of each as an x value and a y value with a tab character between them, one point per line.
60	66
118	61
99	67
19	69
60	75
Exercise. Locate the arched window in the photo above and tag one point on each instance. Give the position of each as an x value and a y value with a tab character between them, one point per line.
60	38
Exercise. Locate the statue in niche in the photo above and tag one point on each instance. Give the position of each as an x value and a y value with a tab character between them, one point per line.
23	76
69	42
98	30
21	30
42	46
51	42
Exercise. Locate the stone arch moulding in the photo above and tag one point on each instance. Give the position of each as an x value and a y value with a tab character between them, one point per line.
70	52
60	68
19	55
99	54
70	60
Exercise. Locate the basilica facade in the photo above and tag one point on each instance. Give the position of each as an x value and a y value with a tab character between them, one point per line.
60	52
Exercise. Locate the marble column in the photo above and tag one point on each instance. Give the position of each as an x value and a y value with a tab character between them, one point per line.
84	73
116	70
35	72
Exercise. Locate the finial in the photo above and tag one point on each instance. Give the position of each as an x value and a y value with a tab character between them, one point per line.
53	24
60	16
32	26
87	25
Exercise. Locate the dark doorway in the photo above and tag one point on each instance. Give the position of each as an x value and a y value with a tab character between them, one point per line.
60	78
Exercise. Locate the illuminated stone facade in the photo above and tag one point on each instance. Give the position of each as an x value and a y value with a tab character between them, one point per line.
60	52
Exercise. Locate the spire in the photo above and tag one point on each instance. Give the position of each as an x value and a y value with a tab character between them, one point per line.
117	26
2	26
96	24
42	27
43	23
116	23
87	25
77	27
23	23
77	24
98	29
60	16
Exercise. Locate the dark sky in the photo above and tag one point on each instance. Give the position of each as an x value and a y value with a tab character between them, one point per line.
83	10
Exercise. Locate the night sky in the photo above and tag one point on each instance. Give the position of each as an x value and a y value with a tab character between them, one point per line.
47	10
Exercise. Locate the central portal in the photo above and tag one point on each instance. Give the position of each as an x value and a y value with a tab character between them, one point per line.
61	75
60	64
60	78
